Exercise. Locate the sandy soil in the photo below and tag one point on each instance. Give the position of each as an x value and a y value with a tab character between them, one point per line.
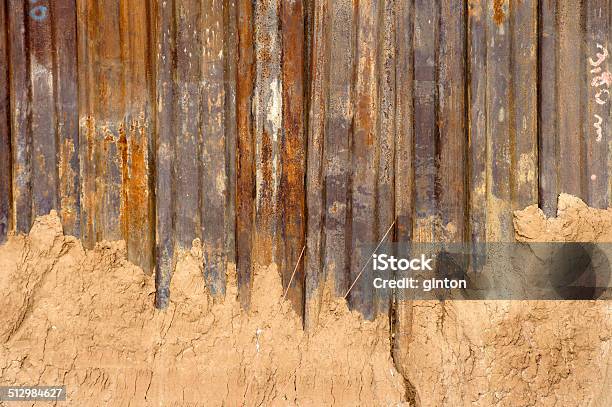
85	319
517	353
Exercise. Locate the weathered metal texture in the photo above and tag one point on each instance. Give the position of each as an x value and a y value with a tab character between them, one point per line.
401	318
43	129
266	127
315	268
293	150
502	115
598	146
196	136
115	125
245	161
5	134
574	128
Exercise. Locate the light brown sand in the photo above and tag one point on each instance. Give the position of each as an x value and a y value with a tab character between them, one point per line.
85	319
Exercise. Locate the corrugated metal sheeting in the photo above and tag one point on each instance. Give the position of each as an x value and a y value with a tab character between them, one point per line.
265	126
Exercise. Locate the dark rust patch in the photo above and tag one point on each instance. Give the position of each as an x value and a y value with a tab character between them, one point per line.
138	199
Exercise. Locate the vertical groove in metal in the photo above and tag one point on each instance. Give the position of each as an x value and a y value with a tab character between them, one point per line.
66	113
337	143
5	132
21	144
245	164
164	52
452	169
292	197
386	122
548	143
214	187
267	112
477	113
315	196
365	145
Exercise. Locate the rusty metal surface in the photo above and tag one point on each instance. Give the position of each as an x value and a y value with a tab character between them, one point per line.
5	141
265	127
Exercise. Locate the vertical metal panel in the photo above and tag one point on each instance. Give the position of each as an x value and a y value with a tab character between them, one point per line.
21	143
293	150
42	57
597	121
187	144
39	43
548	143
477	113
5	135
426	136
498	88
571	95
524	103
314	267
385	177
404	120
66	109
452	169
214	157
267	113
115	132
164	149
338	136
193	172
364	153
245	162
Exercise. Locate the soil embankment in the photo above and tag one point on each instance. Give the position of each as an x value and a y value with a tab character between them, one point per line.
85	319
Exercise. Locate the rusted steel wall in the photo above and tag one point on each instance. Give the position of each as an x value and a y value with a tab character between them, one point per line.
264	128
42	84
195	177
115	124
5	141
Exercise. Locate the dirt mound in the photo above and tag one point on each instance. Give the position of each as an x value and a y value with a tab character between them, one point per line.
85	319
575	222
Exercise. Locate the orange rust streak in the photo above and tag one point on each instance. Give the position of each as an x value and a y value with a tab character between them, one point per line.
498	12
293	155
244	165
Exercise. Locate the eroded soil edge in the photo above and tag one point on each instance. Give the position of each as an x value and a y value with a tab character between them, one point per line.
85	319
